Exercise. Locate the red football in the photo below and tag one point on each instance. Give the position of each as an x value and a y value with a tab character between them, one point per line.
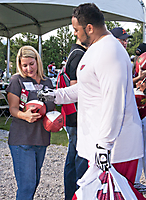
141	62
53	121
40	107
140	98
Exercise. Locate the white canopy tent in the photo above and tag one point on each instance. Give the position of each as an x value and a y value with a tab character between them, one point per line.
40	17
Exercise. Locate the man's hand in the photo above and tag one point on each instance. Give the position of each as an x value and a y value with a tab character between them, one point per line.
102	158
46	95
141	73
141	85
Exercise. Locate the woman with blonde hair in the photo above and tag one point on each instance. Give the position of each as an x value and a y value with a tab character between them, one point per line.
27	137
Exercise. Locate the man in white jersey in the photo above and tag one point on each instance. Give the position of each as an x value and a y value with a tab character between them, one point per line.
108	120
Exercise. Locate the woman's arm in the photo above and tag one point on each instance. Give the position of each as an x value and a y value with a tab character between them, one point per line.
15	112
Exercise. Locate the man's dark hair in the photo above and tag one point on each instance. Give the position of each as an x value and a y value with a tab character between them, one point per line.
88	13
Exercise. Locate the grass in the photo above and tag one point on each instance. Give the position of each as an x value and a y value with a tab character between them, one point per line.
58	138
3	125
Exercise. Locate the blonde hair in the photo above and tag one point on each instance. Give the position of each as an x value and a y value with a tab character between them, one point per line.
26	52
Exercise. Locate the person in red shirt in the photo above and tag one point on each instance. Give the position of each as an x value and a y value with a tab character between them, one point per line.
51	69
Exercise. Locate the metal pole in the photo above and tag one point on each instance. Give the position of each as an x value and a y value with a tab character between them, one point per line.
144	25
40	44
8	56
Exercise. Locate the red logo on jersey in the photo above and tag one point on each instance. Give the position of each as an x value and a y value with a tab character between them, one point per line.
82	67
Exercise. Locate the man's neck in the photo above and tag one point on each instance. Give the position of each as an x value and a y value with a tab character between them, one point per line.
99	36
79	43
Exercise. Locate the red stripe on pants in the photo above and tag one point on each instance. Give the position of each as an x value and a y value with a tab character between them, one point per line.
128	170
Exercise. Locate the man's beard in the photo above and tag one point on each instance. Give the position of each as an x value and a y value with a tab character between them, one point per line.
86	43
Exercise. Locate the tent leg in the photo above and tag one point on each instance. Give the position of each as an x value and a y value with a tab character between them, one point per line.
8	57
40	44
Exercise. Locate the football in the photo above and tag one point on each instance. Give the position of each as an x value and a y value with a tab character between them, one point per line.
53	121
40	107
141	61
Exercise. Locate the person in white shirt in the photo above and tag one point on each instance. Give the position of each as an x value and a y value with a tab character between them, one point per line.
108	119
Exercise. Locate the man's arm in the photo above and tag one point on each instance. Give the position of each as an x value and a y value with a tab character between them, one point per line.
60	96
66	95
113	79
73	82
50	70
139	77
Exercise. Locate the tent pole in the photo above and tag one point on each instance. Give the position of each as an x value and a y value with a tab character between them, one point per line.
8	57
144	24
40	44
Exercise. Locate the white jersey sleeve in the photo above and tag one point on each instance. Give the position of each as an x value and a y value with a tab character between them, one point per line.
113	80
67	95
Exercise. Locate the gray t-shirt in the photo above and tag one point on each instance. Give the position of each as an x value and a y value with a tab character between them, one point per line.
21	131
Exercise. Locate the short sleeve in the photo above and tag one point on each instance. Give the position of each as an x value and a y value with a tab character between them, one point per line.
14	86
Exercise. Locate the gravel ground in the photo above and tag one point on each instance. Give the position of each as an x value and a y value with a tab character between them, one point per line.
51	183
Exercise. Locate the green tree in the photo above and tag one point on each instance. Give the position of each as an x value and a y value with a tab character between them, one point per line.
18	42
53	49
65	40
56	48
3	55
51	52
136	40
112	24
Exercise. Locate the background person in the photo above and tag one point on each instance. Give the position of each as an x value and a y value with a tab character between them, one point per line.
141	105
75	166
121	35
27	137
51	69
61	66
52	73
142	73
141	49
1	74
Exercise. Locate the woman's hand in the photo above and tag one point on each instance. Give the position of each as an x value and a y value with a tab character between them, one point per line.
30	116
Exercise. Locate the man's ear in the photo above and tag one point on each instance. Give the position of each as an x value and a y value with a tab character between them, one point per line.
89	28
